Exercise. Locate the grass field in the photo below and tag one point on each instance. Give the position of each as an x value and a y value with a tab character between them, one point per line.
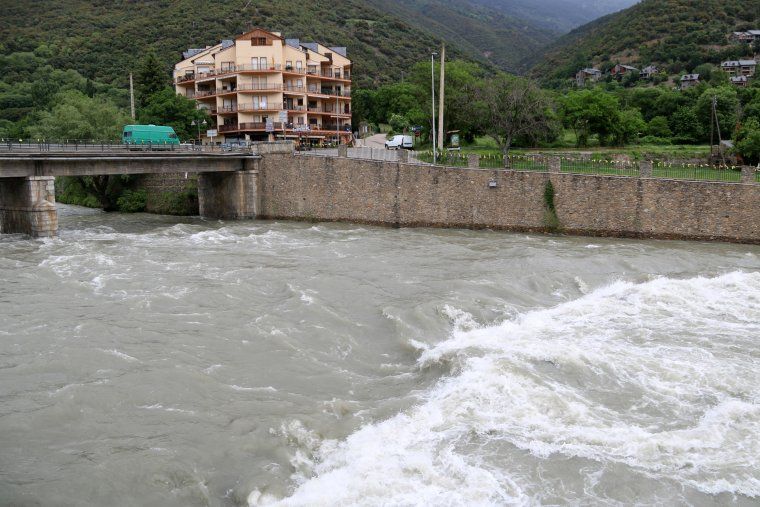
527	162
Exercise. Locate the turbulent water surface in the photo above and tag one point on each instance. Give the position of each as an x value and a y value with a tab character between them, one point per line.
150	361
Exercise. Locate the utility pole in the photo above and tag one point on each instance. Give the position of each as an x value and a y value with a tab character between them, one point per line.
131	96
432	93
440	97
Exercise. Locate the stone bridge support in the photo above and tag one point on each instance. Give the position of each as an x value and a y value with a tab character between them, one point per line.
230	195
27	206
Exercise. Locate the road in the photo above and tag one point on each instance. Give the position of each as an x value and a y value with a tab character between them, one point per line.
375	141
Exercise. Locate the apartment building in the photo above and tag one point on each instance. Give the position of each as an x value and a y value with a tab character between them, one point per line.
260	86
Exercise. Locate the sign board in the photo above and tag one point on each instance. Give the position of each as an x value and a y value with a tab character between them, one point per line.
455	140
283	117
269	125
212	133
302	128
417	133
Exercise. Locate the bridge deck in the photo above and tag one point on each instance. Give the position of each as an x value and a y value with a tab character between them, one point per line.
92	164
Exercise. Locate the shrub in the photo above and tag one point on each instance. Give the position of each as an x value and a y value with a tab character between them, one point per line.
132	201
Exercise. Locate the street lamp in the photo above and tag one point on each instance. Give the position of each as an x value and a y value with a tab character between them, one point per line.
432	90
198	123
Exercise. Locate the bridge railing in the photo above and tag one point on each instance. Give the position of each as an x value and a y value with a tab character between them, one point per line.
92	145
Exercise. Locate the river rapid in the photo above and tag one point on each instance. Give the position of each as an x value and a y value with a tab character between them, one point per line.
150	360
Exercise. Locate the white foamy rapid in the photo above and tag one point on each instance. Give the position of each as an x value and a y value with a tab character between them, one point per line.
658	381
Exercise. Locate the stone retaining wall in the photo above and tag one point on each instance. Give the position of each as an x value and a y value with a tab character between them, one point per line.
397	194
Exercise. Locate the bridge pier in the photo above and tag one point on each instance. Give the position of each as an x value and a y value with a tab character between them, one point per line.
231	195
27	206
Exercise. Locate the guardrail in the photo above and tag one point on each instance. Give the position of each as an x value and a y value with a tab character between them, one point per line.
95	146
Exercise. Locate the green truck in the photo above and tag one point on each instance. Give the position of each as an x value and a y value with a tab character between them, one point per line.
149	136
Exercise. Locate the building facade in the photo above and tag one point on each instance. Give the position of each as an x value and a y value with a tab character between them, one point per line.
260	86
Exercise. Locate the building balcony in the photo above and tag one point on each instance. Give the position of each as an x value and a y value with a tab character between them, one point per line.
186	79
249	126
328	92
327	110
300	90
225	110
293	108
243	108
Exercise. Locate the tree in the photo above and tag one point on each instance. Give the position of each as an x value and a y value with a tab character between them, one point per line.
590	112
630	125
151	78
514	108
658	127
77	116
747	142
399	123
686	126
166	107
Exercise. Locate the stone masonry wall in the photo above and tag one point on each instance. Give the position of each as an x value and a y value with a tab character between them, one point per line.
170	191
342	189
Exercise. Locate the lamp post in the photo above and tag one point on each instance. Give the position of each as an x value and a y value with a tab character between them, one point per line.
432	90
198	124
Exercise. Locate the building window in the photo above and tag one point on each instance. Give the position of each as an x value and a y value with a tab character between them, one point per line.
263	63
288	65
259	41
299	65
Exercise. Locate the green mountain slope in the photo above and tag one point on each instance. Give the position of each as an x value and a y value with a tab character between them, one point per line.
103	40
481	32
675	34
557	15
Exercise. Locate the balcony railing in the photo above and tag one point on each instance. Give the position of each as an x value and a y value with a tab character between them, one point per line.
294	89
291	107
294	70
185	78
257	107
269	87
328	110
239	68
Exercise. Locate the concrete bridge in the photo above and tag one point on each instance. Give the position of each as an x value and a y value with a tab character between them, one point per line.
226	182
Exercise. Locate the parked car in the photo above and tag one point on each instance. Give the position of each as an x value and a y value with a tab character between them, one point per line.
400	141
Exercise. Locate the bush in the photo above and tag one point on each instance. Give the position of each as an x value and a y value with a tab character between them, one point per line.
132	201
176	203
655	140
72	191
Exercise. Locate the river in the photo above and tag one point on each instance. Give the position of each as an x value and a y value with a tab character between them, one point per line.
148	360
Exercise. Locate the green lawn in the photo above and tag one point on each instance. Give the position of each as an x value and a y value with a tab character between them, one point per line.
591	166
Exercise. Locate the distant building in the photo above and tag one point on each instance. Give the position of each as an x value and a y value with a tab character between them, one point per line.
740	81
620	70
587	75
749	36
649	71
689	80
260	85
739	67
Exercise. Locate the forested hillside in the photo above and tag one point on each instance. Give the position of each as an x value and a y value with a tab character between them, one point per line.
557	15
103	39
678	35
480	33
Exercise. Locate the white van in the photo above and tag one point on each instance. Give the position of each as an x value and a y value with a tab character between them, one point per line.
400	141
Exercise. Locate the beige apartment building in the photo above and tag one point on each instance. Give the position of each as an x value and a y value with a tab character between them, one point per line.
261	86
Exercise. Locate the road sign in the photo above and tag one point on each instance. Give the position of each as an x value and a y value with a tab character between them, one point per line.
283	117
269	125
211	133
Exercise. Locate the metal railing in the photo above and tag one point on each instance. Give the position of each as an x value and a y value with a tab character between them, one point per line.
696	172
